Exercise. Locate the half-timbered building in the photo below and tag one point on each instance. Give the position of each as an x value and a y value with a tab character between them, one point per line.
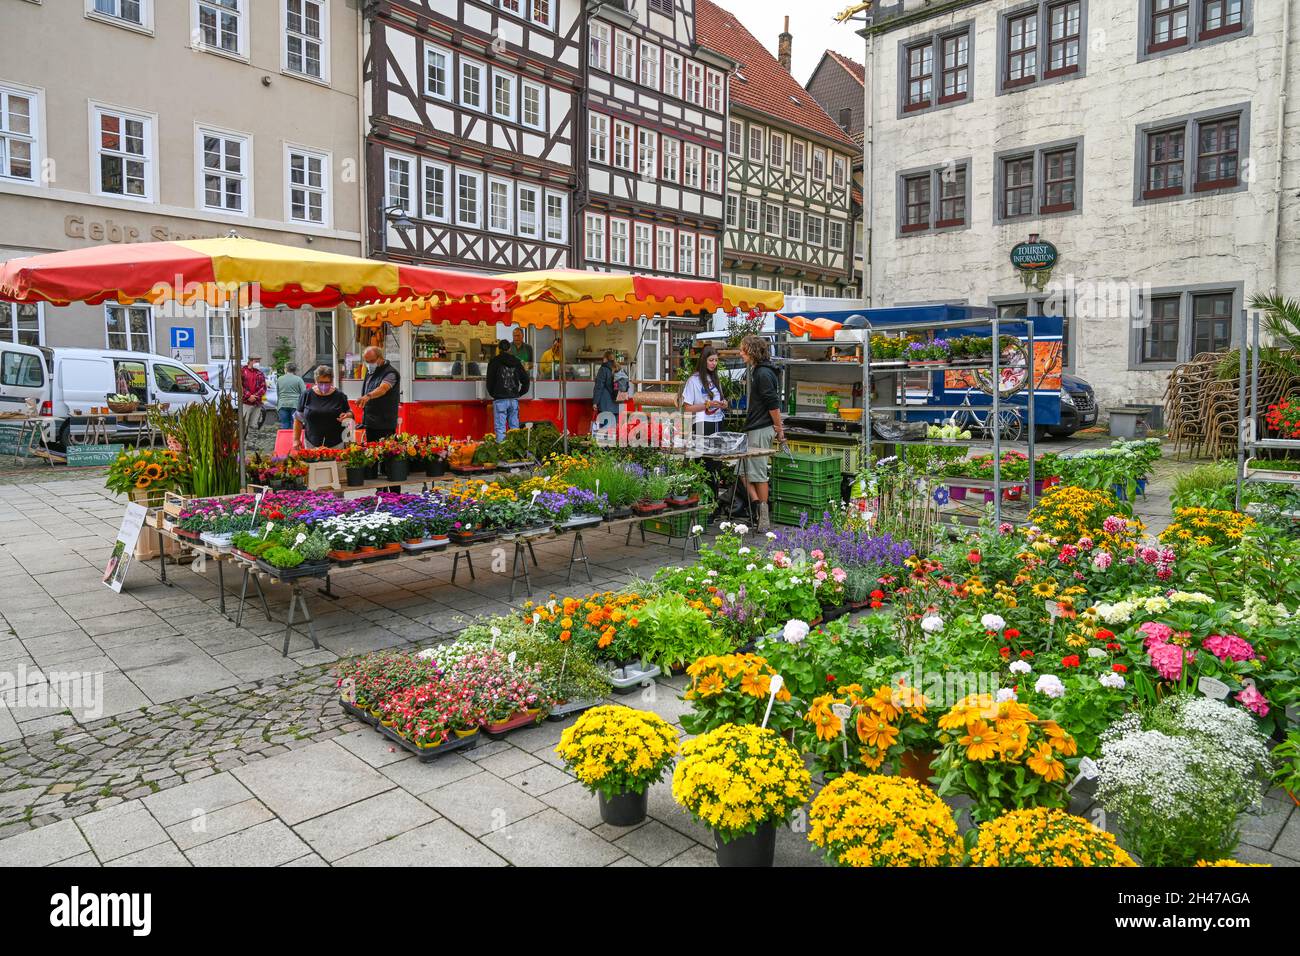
788	172
472	110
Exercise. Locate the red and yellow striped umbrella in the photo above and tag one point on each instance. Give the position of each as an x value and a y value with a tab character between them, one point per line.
576	300
214	269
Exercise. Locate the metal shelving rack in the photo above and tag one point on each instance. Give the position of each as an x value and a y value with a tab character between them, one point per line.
996	325
1248	424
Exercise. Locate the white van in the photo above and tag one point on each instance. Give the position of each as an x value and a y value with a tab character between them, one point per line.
73	381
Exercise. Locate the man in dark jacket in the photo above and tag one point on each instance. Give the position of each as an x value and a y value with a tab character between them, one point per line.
380	397
605	392
507	379
763	425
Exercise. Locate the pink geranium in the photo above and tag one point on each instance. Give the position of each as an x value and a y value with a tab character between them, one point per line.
1254	701
1229	647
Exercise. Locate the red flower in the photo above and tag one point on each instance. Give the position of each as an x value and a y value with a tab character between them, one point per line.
877	595
1114	647
1026	653
1005	652
1070	661
830	678
1104	635
1119	668
974	557
1011	633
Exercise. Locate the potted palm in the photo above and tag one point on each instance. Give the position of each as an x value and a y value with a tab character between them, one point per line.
618	753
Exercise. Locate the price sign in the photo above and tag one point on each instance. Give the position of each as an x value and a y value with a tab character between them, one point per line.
777	683
1211	687
348	690
842	711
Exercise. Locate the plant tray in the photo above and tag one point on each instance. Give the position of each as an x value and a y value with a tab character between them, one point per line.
472	469
439	544
650	509
308	569
522	719
632	677
362	715
617	513
684	502
188	535
534	532
582	521
387	551
244	554
219	541
561	711
474	537
515	465
425	754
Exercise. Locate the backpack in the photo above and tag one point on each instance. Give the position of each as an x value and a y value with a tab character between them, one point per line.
507	380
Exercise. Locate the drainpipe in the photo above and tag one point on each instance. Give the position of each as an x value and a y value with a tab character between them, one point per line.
868	164
1284	77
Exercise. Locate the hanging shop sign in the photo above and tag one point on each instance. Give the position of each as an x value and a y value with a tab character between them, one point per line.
1036	255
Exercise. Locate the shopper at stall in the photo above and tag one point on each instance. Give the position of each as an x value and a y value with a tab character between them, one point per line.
550	359
379	395
254	381
322	413
288	394
605	394
522	350
763	425
702	397
507	379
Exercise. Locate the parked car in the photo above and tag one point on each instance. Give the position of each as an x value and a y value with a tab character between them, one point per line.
66	383
1078	407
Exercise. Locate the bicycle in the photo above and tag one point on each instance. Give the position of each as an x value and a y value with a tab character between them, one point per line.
1013	376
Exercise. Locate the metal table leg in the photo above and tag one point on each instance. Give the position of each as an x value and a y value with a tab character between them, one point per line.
578	548
296	598
221	585
326	591
455	564
531	553
520	559
243	593
162	556
266	608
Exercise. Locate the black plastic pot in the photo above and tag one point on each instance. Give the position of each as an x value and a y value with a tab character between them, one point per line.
397	469
437	467
417	466
372	470
624	810
356	477
752	849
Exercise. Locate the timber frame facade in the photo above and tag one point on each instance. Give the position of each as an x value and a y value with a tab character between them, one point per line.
651	192
471	109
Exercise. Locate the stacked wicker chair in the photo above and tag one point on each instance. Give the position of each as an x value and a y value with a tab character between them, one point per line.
1201	409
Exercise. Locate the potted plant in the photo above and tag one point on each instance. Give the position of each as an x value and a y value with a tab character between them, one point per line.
1037	835
435	457
355	461
741	781
681	487
654	488
618	753
927	353
1283	418
393	461
888	350
876	820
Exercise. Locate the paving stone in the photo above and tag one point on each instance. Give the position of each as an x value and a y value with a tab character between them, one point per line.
267	844
121	830
420	778
338	834
575	802
1262	829
84	860
507	763
164	854
533	842
206	796
439	843
206	827
542	778
1288	841
374	749
43	846
695	856
309	782
653	844
482	803
310	859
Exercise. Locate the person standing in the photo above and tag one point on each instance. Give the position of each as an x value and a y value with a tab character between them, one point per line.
522	350
702	397
507	379
322	412
254	382
763	425
379	396
288	394
605	393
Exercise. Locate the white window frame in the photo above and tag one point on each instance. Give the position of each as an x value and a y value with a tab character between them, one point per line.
409	206
223	317
713	87
241	33
753	215
323	41
794	225
450	76
521	190
327	162
647	153
600	47
798	157
245	176
620	241
508	226
834	226
733	211
109	306
427	210
549	6
776	149
735	139
708	266
512	84
33	137
712	171
815	237
144	24
670	148
469	175
593	229
623	145
560	235
664	240
648	65
598	145
525	87
839	172
149	160
757	137
673	74
771	222
694	92
643	238
686	264
763	282
9	322
818	165
484	90
625	56
692	165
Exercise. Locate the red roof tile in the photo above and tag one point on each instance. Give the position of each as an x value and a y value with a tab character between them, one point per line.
766	87
851	67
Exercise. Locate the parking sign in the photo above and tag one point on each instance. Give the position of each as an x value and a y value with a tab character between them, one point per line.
183	348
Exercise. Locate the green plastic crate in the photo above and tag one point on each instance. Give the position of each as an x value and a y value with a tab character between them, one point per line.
783	512
807	467
806	493
675	526
850	455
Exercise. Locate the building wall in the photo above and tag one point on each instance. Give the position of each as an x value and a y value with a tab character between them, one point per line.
1113	241
72	60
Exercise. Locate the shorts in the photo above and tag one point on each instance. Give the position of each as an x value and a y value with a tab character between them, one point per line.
756	469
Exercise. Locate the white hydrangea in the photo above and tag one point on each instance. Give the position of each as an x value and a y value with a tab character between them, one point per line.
932	624
1190	597
697	529
1020	667
993	622
1050	686
1112	680
795	632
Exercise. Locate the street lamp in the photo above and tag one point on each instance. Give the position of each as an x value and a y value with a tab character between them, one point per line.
402	222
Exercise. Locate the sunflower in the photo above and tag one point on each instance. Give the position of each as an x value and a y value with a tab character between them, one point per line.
143	482
1046	764
154	471
981	741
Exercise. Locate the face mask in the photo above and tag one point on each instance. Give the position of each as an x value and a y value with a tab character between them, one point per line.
324	389
371	366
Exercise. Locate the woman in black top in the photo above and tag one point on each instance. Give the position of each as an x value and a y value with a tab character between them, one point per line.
321	413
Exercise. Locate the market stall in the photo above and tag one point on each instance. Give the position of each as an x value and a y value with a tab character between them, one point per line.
569	318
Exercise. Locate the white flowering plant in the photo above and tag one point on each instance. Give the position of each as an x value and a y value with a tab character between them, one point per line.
1178	776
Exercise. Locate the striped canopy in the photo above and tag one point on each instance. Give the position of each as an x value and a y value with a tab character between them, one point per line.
201	269
575	299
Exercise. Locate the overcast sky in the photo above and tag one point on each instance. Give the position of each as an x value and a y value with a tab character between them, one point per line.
812	23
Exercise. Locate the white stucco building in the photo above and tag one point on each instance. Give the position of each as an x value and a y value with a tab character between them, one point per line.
1147	140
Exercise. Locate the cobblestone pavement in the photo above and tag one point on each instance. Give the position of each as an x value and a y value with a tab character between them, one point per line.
213	749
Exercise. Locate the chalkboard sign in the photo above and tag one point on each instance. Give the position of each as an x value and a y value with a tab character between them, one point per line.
9	435
86	456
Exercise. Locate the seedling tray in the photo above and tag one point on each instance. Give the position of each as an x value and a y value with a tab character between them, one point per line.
425	754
